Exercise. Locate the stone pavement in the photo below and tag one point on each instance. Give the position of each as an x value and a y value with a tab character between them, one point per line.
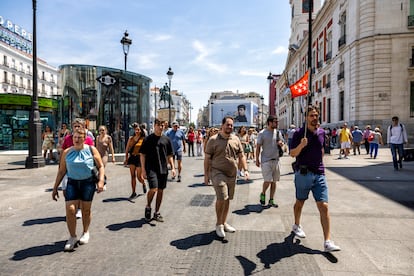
371	206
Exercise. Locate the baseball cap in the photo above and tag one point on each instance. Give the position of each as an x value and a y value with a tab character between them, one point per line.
175	123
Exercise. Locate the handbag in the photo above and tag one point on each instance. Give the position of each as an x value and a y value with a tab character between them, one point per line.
94	170
280	150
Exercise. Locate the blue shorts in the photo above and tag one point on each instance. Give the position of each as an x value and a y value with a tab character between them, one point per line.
80	189
157	180
311	182
178	155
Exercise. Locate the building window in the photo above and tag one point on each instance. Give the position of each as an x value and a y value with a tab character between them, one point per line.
328	46
328	110
21	82
341	106
342	24
412	56
5	80
5	61
412	99
341	74
43	75
320	54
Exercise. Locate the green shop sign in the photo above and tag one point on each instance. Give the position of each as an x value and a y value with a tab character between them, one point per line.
26	100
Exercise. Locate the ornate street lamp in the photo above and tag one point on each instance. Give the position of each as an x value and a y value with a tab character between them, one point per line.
126	42
35	158
270	80
170	74
262	99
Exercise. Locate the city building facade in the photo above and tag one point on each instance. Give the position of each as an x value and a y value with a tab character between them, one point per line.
362	63
16	75
248	109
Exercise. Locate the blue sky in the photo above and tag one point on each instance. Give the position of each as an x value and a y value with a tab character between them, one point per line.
210	45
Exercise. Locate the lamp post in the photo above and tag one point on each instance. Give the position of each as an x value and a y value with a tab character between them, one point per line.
155	103
126	42
35	158
262	99
170	74
270	80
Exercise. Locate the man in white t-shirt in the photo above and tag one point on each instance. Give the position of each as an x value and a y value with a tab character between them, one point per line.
396	137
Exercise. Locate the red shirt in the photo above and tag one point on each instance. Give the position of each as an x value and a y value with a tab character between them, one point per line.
68	142
190	137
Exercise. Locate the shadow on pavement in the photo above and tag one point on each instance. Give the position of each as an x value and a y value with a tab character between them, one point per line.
382	179
43	221
250	208
129	224
277	251
196	185
195	240
38	251
117	199
247	265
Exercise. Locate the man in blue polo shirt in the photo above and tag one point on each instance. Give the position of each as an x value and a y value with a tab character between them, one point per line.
310	174
177	137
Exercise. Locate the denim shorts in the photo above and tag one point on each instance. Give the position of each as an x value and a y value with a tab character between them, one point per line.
178	155
80	189
311	182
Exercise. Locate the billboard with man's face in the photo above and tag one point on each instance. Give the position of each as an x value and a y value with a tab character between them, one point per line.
245	113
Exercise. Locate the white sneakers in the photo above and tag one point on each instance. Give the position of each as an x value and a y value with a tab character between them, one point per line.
297	230
72	241
222	228
220	231
85	238
330	246
79	213
229	228
70	244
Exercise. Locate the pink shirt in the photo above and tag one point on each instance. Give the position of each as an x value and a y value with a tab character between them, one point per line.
68	142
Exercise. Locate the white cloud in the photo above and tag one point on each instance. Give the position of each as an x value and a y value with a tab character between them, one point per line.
161	37
280	50
202	58
252	73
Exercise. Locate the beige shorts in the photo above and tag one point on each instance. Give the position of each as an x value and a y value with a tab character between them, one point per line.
271	171
345	145
223	185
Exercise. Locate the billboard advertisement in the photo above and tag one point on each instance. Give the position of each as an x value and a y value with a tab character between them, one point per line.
245	113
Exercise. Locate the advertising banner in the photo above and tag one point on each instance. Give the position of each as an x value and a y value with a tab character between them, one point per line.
245	113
